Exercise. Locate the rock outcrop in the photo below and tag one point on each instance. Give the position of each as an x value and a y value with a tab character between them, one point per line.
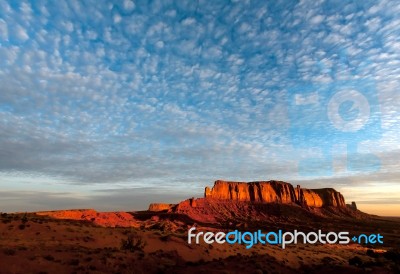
106	219
274	192
160	207
352	206
267	192
321	197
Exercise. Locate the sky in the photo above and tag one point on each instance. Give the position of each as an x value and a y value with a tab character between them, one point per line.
113	105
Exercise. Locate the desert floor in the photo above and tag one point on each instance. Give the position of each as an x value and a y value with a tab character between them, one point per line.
30	243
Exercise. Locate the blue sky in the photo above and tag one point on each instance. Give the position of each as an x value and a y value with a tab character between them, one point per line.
117	104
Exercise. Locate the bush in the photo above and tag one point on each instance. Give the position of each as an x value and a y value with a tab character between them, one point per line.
133	243
48	257
371	253
356	261
9	252
393	255
24	219
73	262
165	238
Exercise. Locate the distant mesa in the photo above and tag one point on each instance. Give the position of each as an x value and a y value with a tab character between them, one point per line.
160	206
106	219
244	202
274	192
262	192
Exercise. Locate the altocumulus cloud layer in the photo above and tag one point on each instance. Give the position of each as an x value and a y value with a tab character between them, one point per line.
98	100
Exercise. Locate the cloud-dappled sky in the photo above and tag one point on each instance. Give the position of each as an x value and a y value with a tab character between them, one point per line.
117	104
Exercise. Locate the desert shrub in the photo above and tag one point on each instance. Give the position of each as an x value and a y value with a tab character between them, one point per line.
24	219
133	243
9	252
165	238
48	257
356	261
126	232
87	239
325	260
393	255
6	218
371	253
73	262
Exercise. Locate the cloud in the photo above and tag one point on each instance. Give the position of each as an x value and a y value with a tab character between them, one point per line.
157	93
129	5
117	18
21	33
3	30
317	19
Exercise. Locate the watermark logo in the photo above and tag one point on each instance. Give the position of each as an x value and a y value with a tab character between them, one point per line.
331	116
249	239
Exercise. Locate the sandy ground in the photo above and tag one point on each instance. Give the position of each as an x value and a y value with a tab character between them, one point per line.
39	244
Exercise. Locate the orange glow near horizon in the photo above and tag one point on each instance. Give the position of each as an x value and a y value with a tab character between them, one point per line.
392	210
377	198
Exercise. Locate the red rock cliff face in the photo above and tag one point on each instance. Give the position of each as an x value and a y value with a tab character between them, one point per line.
159	207
322	197
271	191
274	191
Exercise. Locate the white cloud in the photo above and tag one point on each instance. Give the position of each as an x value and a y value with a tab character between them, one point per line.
171	13
117	18
316	20
129	5
68	26
160	44
188	21
26	11
3	30
21	33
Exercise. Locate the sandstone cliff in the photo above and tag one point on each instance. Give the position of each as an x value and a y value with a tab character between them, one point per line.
160	207
274	191
267	192
321	197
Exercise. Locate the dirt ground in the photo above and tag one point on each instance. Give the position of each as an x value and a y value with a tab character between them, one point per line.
31	243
